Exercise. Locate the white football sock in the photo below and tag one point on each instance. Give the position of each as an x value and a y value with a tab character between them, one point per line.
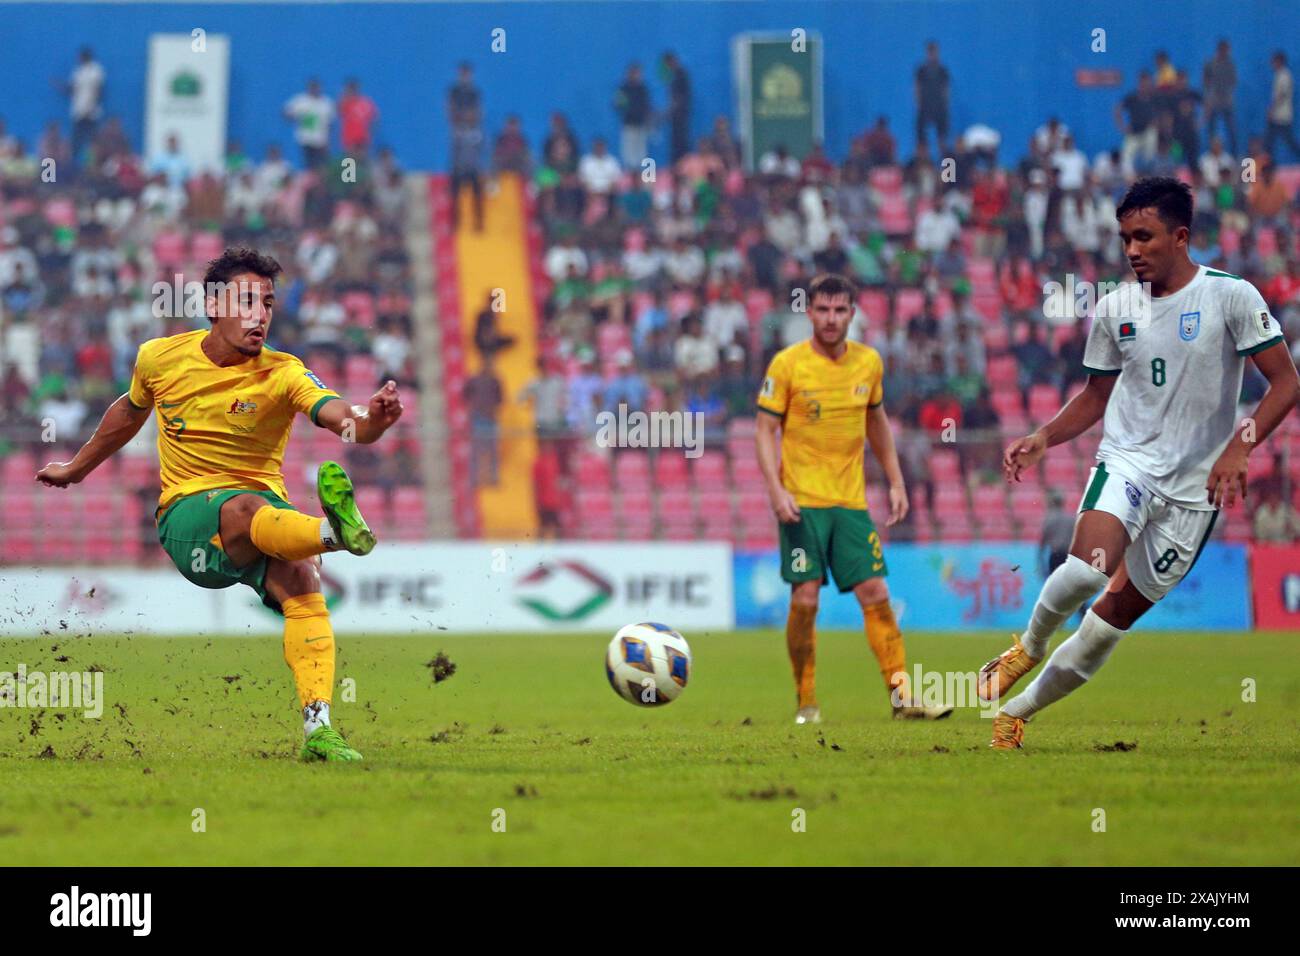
1063	593
1069	667
315	715
327	534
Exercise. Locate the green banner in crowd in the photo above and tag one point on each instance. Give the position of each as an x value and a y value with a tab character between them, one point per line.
779	92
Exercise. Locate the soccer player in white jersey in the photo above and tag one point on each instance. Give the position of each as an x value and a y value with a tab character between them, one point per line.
1165	360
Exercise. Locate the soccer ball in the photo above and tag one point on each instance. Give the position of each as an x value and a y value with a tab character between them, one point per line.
648	664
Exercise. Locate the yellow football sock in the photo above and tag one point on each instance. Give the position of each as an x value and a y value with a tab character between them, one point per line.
287	535
309	646
886	642
801	642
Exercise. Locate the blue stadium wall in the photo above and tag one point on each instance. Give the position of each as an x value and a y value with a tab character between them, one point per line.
1012	61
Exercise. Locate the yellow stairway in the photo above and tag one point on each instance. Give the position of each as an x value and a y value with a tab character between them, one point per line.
497	258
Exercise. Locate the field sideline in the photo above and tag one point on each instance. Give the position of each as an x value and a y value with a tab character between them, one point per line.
528	725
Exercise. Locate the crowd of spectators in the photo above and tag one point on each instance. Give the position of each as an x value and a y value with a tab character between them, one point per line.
95	255
671	288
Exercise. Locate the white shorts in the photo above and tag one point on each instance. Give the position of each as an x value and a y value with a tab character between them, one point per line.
1165	539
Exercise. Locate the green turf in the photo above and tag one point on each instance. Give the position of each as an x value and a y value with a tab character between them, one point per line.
528	725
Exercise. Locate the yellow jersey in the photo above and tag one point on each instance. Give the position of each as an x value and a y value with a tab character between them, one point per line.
822	404
221	427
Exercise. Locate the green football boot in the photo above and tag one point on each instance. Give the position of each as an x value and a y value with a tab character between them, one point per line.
334	489
326	744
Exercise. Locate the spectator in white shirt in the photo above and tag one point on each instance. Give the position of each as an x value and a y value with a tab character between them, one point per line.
694	354
936	228
599	170
311	112
1213	162
85	89
685	263
1071	165
560	258
725	321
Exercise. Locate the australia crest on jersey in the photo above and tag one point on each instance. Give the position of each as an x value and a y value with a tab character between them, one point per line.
1189	326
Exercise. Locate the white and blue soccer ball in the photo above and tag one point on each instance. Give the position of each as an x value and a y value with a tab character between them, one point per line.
648	664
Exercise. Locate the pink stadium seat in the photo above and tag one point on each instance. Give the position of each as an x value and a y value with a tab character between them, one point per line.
594	501
875	305
909	303
592	471
945	466
676	504
745	473
949	500
632	469
710	470
670	469
206	246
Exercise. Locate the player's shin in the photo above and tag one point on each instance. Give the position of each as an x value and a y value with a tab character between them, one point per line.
1073	582
287	535
886	642
1069	667
309	652
801	642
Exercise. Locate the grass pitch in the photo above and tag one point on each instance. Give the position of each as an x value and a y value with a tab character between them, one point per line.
527	732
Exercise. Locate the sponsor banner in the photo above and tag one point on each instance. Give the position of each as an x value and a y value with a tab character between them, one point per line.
778	88
399	589
978	586
187	92
1275	576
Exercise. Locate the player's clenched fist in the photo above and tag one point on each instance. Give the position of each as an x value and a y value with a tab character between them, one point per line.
783	504
57	474
1023	453
385	405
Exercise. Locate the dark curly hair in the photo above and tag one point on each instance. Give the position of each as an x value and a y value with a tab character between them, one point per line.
1169	197
238	260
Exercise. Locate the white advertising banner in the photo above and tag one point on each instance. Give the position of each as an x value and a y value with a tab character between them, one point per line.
403	589
187	93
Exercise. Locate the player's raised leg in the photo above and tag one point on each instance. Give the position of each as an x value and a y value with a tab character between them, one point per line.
309	652
250	527
1099	542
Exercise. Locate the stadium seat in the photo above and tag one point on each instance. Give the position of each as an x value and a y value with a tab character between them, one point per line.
670	469
632	471
710	470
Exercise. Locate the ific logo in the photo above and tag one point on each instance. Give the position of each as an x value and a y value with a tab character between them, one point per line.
563	590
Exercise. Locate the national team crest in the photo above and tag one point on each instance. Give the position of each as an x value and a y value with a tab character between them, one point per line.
1134	495
1189	326
1127	331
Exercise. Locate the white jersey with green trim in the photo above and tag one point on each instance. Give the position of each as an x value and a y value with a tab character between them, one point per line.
1180	360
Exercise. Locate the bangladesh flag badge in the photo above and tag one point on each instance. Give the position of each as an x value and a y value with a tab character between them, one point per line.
1127	330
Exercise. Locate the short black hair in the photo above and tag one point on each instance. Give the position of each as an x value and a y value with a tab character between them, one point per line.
832	284
237	260
1171	198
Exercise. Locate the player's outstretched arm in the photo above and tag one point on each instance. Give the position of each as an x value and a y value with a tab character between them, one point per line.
1228	476
363	424
881	437
119	425
1076	417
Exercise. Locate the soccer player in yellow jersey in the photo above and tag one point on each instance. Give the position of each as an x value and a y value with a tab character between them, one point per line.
825	397
225	403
